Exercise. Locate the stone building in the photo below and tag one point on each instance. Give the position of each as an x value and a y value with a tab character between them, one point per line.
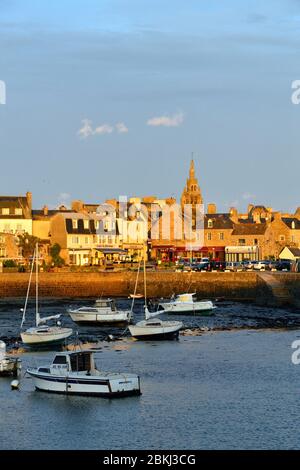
9	249
16	214
260	233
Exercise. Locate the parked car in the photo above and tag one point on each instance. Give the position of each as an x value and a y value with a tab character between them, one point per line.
203	266
234	266
283	265
248	264
261	265
217	265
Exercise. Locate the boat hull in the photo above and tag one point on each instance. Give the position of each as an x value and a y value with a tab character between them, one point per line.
154	333
88	386
35	339
188	308
10	367
99	319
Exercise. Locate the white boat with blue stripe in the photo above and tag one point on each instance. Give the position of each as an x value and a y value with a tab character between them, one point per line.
75	373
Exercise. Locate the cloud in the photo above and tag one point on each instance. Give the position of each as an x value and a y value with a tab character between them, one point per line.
174	120
248	196
103	129
121	128
87	129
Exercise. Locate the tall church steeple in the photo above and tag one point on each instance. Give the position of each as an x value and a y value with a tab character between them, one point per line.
192	192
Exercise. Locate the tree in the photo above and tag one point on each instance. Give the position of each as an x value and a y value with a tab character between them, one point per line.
57	260
27	244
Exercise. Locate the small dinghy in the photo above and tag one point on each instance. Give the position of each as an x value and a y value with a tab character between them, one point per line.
75	373
9	365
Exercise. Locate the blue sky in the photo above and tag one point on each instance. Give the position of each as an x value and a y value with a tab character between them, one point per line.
150	82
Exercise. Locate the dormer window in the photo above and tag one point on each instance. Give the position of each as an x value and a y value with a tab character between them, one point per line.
210	223
293	225
75	223
18	211
5	211
86	224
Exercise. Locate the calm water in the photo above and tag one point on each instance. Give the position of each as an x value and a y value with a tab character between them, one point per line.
222	390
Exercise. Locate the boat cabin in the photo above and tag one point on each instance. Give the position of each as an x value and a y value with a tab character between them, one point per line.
79	361
185	297
106	303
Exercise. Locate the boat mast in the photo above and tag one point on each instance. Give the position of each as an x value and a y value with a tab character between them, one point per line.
145	287
28	289
135	287
37	317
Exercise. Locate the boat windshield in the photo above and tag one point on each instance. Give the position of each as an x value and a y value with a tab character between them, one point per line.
185	298
81	362
106	304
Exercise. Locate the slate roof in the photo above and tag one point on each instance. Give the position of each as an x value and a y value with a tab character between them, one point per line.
220	221
249	229
12	203
289	220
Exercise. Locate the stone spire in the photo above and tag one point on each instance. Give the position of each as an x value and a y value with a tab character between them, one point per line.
192	192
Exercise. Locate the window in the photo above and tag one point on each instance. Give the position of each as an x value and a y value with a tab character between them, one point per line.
109	239
282	238
2	252
7	228
87	240
293	225
210	223
221	236
18	211
86	224
242	241
255	241
5	211
19	227
209	236
75	240
74	223
96	224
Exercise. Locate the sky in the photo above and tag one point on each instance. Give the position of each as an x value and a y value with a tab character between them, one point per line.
113	97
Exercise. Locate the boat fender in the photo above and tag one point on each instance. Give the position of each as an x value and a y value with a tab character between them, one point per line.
15	384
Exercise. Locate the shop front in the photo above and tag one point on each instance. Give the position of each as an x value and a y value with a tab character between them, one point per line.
241	253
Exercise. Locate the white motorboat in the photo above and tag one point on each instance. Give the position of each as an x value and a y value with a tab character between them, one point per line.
103	313
155	329
186	303
150	328
75	373
41	334
9	365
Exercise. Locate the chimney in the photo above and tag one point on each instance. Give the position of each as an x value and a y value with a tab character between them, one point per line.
250	207
29	200
211	208
277	216
45	210
297	213
233	213
77	206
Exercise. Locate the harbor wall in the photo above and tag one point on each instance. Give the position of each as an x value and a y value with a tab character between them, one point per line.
159	284
242	286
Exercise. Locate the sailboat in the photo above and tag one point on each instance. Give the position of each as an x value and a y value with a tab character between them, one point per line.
153	328
41	334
